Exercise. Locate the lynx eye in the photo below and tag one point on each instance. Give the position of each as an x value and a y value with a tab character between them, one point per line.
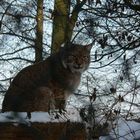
71	56
85	57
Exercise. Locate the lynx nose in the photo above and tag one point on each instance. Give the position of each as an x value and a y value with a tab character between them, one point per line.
78	66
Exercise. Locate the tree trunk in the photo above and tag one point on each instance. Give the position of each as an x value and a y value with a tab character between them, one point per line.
64	22
39	32
61	16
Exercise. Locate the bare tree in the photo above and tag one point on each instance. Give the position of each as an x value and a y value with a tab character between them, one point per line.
113	76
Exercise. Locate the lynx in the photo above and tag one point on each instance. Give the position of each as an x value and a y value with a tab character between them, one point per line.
47	84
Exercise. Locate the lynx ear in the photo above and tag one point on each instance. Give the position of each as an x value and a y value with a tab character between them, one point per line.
62	45
89	46
66	45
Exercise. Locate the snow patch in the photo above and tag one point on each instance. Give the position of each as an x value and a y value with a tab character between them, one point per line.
71	114
125	130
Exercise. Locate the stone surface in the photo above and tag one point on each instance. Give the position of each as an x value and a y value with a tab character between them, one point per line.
42	131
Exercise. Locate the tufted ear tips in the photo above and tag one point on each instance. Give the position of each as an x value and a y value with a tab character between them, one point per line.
89	46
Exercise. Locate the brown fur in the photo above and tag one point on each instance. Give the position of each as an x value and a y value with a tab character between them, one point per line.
44	85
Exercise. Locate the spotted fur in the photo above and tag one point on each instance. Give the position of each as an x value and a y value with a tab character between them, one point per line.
46	85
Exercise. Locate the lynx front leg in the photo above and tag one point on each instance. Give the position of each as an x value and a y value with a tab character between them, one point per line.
51	103
45	99
49	100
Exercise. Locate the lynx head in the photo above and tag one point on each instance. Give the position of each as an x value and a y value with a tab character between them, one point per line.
76	57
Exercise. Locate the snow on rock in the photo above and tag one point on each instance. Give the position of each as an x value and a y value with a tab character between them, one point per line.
71	114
